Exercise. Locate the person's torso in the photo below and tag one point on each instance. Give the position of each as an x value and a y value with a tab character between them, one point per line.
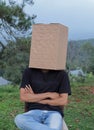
45	81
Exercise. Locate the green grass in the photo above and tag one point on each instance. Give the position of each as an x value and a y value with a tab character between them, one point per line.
79	113
9	107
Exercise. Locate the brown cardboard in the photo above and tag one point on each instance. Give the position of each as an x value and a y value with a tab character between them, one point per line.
49	46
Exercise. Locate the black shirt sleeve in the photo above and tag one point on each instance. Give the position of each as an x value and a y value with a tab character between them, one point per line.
64	83
26	78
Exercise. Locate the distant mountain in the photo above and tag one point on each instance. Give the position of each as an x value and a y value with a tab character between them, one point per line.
84	41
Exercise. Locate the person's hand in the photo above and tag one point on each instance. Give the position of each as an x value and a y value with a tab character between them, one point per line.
28	89
53	95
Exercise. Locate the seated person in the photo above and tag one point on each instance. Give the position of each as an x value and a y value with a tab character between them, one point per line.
46	92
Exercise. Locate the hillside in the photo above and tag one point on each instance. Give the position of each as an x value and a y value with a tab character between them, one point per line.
84	41
76	53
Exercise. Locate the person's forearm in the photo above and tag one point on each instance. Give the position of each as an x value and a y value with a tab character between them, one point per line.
27	97
55	102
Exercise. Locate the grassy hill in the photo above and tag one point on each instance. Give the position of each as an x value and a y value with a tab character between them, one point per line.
79	113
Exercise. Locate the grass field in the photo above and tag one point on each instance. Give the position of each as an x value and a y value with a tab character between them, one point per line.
79	113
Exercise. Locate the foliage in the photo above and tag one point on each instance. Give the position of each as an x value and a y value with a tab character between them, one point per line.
14	22
77	78
15	28
81	54
73	55
86	80
88	60
79	113
15	59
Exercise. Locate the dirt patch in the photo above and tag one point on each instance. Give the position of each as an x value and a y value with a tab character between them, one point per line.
89	89
92	90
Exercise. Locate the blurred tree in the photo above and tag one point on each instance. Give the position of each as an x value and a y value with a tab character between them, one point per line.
73	55
15	59
88	57
81	54
15	35
14	22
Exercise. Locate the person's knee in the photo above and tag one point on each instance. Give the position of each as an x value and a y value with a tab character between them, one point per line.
19	119
57	116
56	121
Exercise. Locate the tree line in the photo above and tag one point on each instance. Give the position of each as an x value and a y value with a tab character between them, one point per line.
81	54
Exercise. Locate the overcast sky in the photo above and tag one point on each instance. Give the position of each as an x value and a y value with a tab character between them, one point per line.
78	15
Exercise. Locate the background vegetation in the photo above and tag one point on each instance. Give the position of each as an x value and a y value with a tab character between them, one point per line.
81	54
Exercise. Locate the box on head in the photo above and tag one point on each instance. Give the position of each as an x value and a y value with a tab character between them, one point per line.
49	46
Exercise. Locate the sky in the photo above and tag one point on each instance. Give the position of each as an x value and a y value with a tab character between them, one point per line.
77	15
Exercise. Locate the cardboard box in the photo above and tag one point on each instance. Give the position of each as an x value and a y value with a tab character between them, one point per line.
49	46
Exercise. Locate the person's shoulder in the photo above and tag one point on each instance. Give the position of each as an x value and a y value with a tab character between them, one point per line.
63	73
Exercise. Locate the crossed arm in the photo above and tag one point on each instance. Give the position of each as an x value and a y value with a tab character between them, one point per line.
50	98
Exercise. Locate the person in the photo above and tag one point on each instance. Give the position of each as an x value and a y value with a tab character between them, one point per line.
46	92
